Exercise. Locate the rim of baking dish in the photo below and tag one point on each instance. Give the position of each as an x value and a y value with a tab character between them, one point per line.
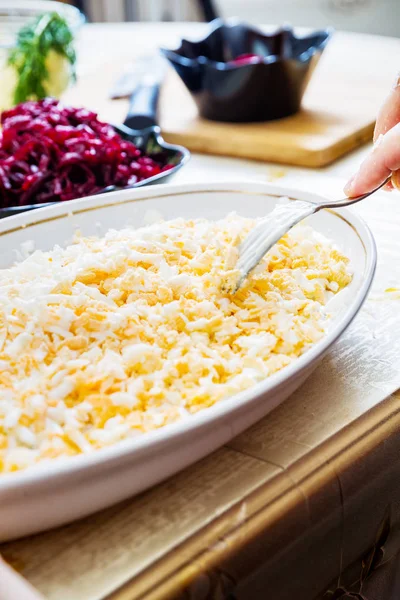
155	440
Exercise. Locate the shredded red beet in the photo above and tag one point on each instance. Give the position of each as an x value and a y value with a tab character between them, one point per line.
51	153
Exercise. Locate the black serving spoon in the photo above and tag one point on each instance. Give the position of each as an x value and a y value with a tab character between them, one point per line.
140	127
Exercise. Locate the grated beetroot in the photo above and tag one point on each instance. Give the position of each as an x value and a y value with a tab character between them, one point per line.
51	153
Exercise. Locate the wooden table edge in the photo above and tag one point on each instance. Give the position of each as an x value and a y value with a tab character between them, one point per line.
175	571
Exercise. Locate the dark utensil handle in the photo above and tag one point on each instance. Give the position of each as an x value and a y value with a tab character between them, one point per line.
142	112
208	9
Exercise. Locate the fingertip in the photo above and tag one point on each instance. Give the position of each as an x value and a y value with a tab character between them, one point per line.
395	181
389	113
378	141
377	132
349	187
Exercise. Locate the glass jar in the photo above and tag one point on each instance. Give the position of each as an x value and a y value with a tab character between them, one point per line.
14	14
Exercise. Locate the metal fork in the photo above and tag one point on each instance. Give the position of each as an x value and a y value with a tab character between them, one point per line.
274	226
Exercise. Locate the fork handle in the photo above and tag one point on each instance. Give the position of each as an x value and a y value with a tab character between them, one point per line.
349	201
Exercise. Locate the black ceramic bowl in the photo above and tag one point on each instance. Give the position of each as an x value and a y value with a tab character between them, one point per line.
229	85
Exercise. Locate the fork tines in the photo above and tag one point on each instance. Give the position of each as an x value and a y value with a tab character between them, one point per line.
267	232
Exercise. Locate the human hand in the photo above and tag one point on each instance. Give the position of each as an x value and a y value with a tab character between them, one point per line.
385	156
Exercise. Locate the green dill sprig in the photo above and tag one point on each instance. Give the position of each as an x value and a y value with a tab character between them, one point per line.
34	41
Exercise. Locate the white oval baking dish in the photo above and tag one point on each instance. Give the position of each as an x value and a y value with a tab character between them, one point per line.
49	495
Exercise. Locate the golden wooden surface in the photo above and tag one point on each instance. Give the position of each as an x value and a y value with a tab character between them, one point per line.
296	471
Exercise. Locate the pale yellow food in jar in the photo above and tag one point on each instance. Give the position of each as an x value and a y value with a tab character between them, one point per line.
59	76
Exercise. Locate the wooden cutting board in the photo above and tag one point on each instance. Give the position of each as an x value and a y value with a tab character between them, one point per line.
338	113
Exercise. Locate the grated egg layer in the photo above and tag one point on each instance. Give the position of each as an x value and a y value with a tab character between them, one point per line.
112	337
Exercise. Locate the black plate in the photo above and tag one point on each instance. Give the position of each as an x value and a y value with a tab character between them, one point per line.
152	144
